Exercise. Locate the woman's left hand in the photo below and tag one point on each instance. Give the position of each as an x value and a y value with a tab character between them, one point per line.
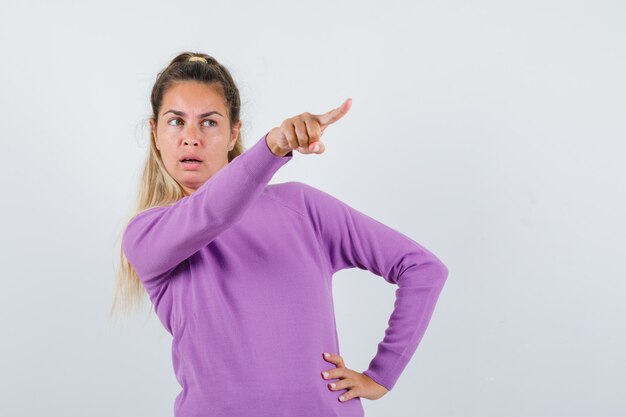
357	383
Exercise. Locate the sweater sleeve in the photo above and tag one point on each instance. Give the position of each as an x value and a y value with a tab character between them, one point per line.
156	240
351	239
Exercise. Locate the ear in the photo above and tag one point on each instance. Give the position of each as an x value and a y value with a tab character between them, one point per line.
153	133
234	133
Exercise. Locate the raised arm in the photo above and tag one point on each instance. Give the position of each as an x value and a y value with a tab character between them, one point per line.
156	240
350	239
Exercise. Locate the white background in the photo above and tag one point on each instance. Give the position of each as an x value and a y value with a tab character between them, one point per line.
491	132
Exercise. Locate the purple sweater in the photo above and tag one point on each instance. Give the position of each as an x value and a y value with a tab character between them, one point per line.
240	274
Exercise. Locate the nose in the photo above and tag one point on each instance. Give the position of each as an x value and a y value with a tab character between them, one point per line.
191	137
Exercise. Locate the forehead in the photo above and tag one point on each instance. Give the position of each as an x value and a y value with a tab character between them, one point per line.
193	97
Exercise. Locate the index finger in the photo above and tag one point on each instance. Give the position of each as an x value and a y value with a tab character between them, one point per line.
335	114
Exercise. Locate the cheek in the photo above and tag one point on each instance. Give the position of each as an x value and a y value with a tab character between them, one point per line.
168	156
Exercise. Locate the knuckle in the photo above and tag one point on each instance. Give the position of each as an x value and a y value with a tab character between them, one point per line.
300	132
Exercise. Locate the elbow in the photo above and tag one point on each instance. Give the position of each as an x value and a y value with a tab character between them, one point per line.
431	266
443	272
442	269
128	246
129	253
422	270
133	253
434	271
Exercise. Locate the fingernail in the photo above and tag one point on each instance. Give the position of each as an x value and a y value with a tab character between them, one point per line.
316	147
325	374
341	398
326	355
332	385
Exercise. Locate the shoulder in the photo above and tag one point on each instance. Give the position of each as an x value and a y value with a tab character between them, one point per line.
305	198
290	194
298	192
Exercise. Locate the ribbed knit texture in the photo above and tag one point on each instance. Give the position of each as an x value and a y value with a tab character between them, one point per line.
240	273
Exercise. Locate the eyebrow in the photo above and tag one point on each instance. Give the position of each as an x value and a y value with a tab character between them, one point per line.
200	116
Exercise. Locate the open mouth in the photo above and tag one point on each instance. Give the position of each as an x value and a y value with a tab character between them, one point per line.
190	163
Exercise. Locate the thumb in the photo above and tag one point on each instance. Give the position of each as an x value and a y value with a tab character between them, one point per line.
320	148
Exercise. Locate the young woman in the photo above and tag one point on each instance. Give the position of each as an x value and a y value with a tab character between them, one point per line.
240	271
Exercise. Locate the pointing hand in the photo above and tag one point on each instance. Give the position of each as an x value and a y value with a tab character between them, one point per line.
303	132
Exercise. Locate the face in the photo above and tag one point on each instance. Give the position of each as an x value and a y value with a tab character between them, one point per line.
194	124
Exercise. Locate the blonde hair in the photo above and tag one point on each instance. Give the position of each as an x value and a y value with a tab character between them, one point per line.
156	185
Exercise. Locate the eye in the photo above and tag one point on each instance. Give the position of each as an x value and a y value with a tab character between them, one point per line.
213	122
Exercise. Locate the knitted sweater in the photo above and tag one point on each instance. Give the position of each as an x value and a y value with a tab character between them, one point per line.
240	274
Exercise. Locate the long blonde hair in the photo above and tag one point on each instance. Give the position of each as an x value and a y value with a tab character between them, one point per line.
156	185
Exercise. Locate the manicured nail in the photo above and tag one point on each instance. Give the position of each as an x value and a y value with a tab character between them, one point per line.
341	398
316	147
325	374
332	385
327	355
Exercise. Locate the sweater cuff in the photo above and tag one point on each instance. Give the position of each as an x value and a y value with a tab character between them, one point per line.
260	161
386	367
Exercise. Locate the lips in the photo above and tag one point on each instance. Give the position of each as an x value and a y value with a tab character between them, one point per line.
190	158
192	165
